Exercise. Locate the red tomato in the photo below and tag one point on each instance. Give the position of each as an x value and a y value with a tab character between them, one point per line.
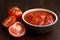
17	29
9	21
15	11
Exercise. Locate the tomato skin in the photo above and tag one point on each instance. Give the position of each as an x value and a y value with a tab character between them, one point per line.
9	21
17	29
15	11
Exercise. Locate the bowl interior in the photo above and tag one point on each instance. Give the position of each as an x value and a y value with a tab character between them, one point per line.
39	9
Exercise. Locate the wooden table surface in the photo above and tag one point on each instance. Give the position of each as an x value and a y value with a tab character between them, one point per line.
53	5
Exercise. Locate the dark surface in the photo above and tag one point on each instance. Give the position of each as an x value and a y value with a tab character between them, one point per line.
53	5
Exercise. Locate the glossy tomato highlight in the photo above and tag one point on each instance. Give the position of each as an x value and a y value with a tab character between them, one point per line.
9	21
15	11
17	29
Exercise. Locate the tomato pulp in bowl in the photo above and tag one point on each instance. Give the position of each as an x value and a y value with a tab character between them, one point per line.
39	19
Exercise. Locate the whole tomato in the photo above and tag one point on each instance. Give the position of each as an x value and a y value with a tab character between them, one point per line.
15	11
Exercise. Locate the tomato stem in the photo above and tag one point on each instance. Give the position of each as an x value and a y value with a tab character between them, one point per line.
15	8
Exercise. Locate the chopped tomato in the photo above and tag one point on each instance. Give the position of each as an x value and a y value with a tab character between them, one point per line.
39	18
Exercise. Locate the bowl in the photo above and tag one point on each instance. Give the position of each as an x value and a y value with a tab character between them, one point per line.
39	29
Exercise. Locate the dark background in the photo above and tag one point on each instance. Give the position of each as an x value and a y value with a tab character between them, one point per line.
53	5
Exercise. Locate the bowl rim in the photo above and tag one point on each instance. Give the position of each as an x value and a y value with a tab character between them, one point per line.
41	9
